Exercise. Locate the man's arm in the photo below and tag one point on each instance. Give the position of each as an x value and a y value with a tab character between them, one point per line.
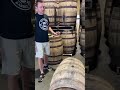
51	30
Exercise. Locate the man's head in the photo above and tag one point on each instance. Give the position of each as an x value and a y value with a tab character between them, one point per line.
40	7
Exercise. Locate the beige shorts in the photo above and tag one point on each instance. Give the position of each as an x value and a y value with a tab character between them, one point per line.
41	49
17	53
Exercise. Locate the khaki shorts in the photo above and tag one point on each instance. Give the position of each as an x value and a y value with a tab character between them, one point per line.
41	49
17	53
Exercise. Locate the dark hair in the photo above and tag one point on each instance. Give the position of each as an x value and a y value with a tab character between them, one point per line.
37	1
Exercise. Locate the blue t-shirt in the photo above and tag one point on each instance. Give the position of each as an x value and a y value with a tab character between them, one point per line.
42	25
15	19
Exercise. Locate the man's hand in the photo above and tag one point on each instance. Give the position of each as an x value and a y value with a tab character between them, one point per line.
54	33
57	33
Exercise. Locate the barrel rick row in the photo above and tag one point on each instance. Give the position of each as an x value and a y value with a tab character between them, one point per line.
61	12
90	33
67	12
51	9
114	36
107	11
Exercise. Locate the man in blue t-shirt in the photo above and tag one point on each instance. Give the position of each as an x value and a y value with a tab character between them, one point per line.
41	37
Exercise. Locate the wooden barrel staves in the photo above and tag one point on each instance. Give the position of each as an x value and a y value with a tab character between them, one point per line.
82	41
69	75
69	41
96	83
90	49
82	33
56	49
90	36
114	36
68	37
99	23
51	9
82	13
67	12
107	14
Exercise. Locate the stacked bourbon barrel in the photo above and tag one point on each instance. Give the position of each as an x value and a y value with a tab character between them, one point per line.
91	32
112	32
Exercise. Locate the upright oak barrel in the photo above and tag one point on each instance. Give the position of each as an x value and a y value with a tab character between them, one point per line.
91	32
107	13
68	35
69	41
114	36
67	12
51	9
56	49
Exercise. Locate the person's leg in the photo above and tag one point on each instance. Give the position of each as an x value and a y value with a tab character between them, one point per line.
40	64
28	77
11	63
45	60
40	55
13	82
28	63
47	52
